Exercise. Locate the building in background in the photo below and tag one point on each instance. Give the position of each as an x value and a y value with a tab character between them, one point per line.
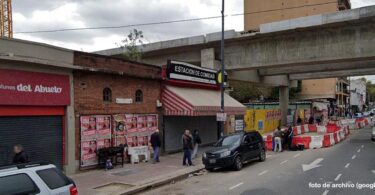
259	12
333	90
358	95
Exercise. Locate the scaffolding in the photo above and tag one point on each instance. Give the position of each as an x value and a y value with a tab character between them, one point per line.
6	22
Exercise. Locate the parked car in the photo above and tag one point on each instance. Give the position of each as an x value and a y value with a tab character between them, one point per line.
35	178
234	150
358	115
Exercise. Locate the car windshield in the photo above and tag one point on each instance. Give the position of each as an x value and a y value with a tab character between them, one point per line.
229	140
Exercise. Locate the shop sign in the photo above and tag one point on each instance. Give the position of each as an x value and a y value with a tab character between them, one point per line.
221	116
239	125
188	72
32	88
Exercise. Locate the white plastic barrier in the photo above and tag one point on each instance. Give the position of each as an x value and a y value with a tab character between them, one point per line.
316	141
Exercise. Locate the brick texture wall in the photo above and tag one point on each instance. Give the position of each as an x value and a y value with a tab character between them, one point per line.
89	85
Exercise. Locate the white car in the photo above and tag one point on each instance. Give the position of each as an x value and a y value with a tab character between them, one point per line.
35	178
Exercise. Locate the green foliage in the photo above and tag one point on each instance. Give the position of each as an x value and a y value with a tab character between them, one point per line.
245	91
371	91
131	45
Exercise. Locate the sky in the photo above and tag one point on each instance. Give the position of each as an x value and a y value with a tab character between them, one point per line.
34	15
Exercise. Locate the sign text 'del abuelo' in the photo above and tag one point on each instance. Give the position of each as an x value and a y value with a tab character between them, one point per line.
32	88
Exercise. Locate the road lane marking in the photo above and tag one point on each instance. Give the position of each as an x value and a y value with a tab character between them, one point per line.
312	165
359	150
347	165
338	177
362	146
235	186
263	172
373	171
297	155
325	192
353	157
283	162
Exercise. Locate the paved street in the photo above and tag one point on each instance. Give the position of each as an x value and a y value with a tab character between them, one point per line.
347	164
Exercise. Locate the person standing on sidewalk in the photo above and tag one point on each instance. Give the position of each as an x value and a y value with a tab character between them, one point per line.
277	135
197	140
155	143
187	145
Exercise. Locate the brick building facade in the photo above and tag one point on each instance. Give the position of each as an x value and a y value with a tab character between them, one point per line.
123	78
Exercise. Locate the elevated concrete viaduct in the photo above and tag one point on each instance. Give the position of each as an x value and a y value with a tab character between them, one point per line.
319	46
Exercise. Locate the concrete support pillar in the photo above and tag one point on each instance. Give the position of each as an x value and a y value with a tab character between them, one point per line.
208	59
284	103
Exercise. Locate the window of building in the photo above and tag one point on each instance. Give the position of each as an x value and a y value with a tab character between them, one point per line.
139	96
107	95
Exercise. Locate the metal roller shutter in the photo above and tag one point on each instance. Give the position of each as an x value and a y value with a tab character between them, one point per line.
41	137
176	125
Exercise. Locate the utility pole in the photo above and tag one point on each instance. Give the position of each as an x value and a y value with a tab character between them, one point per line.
222	67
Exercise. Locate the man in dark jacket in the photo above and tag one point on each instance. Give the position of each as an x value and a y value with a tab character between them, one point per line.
156	144
187	146
20	156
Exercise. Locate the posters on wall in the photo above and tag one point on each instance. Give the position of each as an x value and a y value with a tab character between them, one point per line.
95	134
101	131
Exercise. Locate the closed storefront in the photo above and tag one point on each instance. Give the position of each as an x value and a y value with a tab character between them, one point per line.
41	136
32	114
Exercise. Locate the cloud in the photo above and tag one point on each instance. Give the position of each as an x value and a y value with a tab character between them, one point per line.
33	15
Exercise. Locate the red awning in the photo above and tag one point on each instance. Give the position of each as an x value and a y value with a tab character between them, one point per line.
178	101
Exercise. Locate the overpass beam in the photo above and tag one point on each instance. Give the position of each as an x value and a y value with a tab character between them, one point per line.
284	103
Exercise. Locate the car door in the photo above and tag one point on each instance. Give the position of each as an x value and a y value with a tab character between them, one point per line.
246	147
254	145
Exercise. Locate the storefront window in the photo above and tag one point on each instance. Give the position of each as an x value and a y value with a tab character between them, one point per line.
107	95
139	96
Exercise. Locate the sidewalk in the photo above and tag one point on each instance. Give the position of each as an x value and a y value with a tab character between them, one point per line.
135	177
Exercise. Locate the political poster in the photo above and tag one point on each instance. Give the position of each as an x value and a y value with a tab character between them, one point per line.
88	128
88	153
152	123
103	127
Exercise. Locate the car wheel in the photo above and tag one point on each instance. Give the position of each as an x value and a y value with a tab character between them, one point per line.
238	163
262	155
209	169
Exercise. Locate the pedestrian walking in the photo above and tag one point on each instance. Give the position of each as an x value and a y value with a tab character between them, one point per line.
155	144
187	145
20	155
290	137
197	140
278	136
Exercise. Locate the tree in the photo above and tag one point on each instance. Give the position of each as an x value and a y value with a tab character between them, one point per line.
131	44
245	91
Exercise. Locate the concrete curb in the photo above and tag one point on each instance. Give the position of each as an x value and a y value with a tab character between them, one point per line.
162	181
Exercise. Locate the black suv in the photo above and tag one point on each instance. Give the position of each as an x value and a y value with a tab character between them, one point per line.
234	150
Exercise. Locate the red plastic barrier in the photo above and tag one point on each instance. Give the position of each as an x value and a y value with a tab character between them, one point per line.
313	128
326	141
302	140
